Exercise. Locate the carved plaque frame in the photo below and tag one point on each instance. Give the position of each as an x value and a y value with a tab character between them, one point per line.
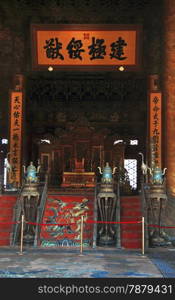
131	36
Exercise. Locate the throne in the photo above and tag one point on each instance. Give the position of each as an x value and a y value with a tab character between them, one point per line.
79	177
79	165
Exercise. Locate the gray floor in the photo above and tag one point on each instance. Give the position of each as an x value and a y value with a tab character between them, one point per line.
92	263
110	272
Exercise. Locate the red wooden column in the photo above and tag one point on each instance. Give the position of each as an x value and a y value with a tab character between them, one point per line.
169	92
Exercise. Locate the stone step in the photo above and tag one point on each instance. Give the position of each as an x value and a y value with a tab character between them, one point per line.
7	203
131	243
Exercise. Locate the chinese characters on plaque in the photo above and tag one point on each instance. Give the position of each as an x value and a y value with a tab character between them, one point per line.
155	126
95	50
64	46
15	137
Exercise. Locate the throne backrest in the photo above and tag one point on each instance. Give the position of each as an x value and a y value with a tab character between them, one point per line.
79	165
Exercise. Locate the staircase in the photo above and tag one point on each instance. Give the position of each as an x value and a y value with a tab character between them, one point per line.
131	210
66	208
7	203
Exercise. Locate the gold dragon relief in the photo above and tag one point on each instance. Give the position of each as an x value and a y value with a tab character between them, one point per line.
75	214
72	216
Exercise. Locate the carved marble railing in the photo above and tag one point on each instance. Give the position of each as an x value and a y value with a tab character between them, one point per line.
20	210
40	211
98	215
17	212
